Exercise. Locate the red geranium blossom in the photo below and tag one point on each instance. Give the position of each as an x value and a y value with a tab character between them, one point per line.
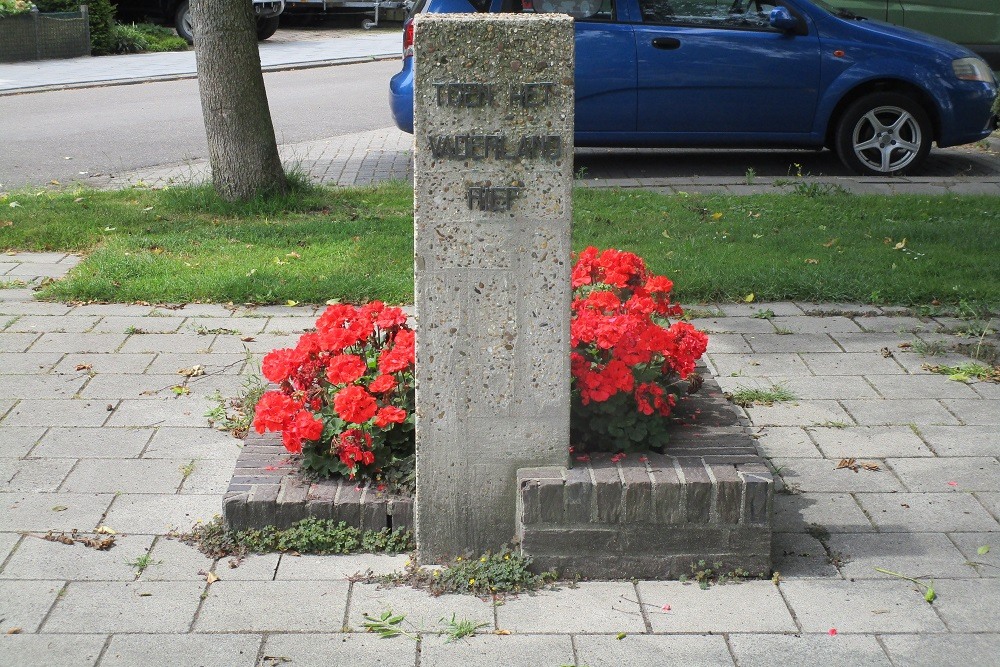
345	368
354	404
389	415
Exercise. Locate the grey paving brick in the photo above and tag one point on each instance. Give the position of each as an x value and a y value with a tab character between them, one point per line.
7	542
733	325
17	441
897	324
837	512
937	650
295	325
818	325
798	555
851	363
799	413
773	343
652	651
970	473
33	474
979	413
324	650
154	514
319	568
37	558
779	308
807	388
243	326
173	560
175	411
256	606
988	390
40	512
261	343
809	649
126	476
986	564
860	607
49	650
120	324
136	606
304	310
728	344
255	567
875	342
182	343
757	365
529	651
32	307
919	411
192	443
198	310
753	606
148	387
112	310
36	386
930	555
969	605
914	512
50	324
419	607
962	440
92	443
23	604
171	362
868	441
208	476
79	343
217	650
62	412
992	503
785	441
920	386
104	363
822	475
16	342
914	363
23	363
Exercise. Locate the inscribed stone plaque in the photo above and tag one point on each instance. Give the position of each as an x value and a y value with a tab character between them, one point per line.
493	126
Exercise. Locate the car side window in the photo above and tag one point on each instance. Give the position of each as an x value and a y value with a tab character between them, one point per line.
581	10
745	14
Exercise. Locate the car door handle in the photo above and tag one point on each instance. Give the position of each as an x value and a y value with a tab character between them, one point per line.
666	43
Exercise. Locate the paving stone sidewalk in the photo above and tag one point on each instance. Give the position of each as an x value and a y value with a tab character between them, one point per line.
92	434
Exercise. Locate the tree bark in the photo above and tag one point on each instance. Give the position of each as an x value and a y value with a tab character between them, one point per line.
242	149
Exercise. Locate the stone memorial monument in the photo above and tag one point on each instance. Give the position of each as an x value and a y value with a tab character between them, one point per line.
493	172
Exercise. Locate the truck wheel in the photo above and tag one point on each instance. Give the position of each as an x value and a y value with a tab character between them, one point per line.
182	22
368	24
884	134
266	27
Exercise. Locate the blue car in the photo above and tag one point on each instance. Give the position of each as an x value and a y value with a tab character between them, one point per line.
755	73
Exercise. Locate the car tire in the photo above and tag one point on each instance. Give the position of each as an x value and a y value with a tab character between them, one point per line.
884	134
183	22
266	27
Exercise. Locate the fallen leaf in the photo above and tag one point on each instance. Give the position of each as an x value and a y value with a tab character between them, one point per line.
849	464
6	223
886	352
983	550
900	245
830	243
291	303
180	390
294	255
812	261
905	346
211	577
59	508
145	595
248	339
621	635
84	367
501	632
874	467
14	631
104	530
195	371
930	595
748	298
716	216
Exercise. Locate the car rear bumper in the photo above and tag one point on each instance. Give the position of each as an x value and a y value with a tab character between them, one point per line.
401	97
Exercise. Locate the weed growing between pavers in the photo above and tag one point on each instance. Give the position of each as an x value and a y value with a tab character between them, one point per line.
309	536
389	625
235	415
706	574
746	397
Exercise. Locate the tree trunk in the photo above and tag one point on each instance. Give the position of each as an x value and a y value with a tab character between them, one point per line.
242	149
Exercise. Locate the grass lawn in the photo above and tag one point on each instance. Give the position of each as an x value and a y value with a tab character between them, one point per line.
183	244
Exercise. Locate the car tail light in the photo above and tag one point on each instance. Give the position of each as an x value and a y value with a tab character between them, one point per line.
408	39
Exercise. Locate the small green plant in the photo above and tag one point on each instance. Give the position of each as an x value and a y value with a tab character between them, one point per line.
764	314
389	625
581	173
706	575
934	348
205	331
235	415
819	532
781	331
967	372
929	594
134	330
140	563
459	629
17	283
746	397
751	175
186	470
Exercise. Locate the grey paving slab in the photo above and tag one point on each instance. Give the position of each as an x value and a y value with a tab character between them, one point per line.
756	365
207	476
217	650
7	542
39	386
818	325
256	606
920	555
255	567
808	649
936	475
968	605
851	363
320	568
92	443
837	512
49	650
652	651
172	560
822	475
728	344
121	324
490	650
295	325
860	607
799	413
751	606
985	564
112	309
226	326
875	342
914	512
799	555
194	442
37	558
17	441
258	343
41	512
808	388
17	342
152	386
174	411
131	476
897	324
419	607
593	607
979	413
52	324
196	310
771	343
868	441
104	363
32	307
915	363
962	440
324	650
779	308
79	343
23	604
785	441
137	606
33	474
937	650
990	390
62	412
154	514
920	386
992	503
919	411
176	343
714	325
18	363
171	362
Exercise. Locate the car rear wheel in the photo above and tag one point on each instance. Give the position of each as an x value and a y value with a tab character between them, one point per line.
183	23
266	27
884	134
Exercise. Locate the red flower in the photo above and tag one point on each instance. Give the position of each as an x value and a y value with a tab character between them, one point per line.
307	425
391	317
274	411
345	368
280	365
390	414
400	356
354	404
382	384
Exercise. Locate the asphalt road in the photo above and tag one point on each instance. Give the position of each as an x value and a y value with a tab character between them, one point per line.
69	135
